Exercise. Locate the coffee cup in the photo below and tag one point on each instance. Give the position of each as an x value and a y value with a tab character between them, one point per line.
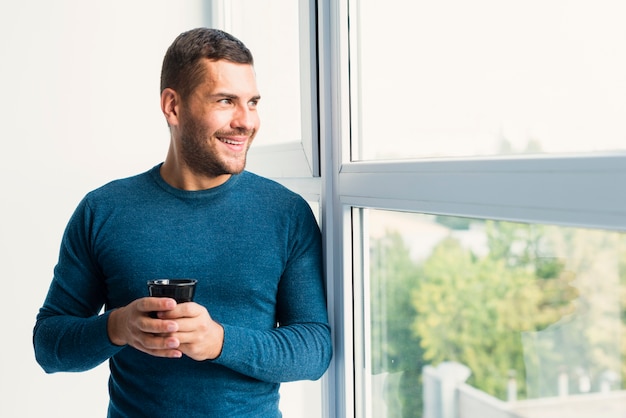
181	290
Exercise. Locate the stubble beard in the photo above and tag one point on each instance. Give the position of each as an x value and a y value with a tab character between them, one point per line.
203	160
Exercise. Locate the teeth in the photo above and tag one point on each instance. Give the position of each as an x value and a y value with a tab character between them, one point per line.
228	141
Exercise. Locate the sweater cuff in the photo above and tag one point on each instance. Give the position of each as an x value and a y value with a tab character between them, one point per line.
101	334
230	353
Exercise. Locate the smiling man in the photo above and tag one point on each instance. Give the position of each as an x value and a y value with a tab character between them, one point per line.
259	314
213	126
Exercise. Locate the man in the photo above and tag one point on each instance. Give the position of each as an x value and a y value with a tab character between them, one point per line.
259	314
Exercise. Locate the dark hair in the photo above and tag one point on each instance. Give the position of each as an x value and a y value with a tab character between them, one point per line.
182	68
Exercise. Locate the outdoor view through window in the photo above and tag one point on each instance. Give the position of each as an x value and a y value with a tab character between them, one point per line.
528	319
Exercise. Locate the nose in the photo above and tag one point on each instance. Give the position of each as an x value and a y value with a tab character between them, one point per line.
245	118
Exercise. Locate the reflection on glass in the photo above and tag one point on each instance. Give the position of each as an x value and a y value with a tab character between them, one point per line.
493	319
488	77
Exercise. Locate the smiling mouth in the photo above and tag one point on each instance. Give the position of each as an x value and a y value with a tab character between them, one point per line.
231	141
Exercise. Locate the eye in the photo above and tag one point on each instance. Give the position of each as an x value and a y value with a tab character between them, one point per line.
225	101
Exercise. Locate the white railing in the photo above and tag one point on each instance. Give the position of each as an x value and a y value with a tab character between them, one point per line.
446	395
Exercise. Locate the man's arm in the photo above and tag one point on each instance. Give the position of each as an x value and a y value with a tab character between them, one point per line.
69	334
300	347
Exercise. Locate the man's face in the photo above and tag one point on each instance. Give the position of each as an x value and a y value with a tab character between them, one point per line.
219	120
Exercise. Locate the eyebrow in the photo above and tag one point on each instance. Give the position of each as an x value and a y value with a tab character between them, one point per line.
234	96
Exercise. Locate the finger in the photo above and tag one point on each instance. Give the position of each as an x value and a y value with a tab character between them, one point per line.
182	310
160	345
192	324
163	353
158	326
152	304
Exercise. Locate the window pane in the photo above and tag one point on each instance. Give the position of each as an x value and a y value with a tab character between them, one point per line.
488	77
494	319
270	29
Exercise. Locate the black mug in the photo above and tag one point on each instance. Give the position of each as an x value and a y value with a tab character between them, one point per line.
181	290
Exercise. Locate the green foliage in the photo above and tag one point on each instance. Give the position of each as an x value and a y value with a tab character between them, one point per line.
395	348
622	299
464	311
460	306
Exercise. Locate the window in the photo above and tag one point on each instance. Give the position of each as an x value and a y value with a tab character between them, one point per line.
458	78
480	129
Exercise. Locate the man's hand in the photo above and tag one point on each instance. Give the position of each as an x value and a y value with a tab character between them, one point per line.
135	326
186	328
200	337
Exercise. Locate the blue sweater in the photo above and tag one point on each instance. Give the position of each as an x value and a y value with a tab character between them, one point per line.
255	249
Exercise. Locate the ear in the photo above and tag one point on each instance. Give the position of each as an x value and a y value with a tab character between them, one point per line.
170	102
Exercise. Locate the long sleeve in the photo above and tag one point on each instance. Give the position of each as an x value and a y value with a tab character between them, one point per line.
69	334
70	344
300	348
295	352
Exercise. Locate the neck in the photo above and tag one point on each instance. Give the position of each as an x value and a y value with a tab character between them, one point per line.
177	174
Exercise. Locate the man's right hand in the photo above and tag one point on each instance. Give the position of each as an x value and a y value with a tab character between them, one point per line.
133	325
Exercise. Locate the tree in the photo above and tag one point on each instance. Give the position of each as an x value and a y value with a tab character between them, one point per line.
472	309
458	305
394	347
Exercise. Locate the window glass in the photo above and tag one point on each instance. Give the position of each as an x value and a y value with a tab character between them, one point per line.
487	77
270	29
490	318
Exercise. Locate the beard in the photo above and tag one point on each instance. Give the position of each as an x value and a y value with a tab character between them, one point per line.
204	160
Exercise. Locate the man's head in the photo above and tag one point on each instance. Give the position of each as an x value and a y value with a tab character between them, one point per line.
209	98
183	67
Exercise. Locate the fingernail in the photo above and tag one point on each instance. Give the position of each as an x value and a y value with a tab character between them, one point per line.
172	327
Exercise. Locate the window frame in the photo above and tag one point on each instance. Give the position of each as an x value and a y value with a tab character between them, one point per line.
555	189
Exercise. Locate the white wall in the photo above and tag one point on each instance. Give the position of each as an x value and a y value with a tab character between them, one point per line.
79	107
